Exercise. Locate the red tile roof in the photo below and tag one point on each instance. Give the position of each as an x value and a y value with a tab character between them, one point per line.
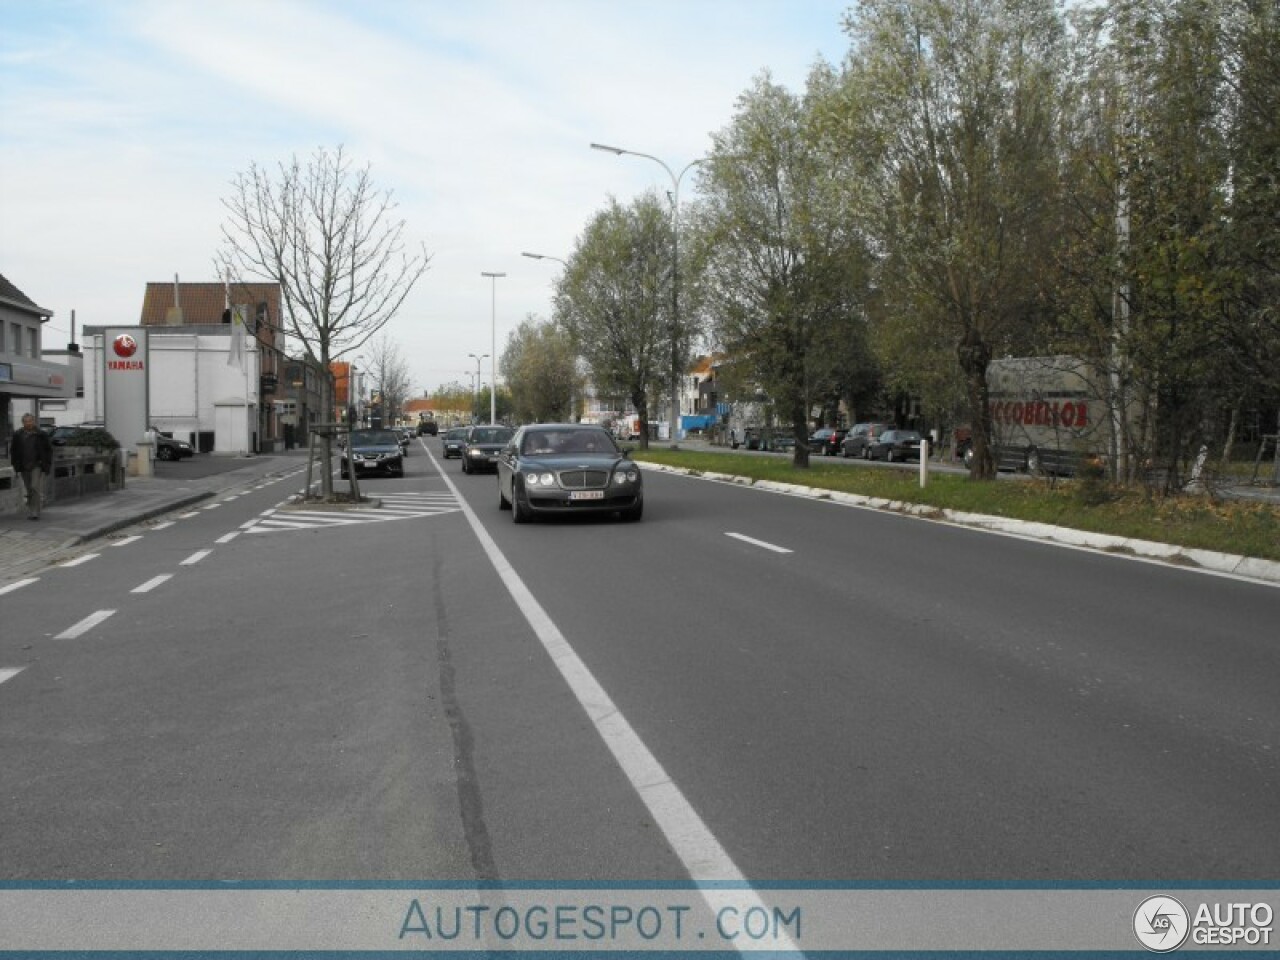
204	302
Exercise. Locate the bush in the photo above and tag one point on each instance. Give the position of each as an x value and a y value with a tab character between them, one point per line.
96	437
1092	489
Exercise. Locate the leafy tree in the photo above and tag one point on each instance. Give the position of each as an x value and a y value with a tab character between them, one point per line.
777	266
331	240
539	365
951	106
612	301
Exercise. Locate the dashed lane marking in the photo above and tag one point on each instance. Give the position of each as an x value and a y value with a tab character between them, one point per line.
18	585
195	558
85	625
8	673
152	583
83	558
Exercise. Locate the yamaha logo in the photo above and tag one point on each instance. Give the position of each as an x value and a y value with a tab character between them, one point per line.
125	346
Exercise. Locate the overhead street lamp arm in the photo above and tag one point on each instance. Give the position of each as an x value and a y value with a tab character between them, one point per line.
542	256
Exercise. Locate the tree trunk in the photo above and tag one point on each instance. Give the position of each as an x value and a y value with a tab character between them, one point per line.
641	402
800	430
974	356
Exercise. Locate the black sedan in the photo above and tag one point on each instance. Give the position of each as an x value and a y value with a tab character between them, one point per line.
895	445
481	448
374	451
567	468
454	441
826	441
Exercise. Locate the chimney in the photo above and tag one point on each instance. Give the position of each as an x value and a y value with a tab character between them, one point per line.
173	316
72	346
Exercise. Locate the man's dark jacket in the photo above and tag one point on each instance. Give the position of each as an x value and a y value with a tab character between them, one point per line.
38	444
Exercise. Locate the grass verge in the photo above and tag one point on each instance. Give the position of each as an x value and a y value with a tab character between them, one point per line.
1246	528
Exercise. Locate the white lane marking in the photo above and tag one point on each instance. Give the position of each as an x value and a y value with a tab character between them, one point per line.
689	837
188	516
85	625
161	526
8	673
195	558
211	506
126	540
84	558
152	583
758	543
246	526
228	537
18	585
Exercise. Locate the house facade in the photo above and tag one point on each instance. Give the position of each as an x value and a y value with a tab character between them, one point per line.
26	376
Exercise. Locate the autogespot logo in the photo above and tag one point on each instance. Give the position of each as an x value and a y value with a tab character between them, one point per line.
1161	924
124	345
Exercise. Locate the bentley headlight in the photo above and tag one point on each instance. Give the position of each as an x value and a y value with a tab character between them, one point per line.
539	479
626	475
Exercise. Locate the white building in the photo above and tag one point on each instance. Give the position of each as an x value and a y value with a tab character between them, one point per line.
197	390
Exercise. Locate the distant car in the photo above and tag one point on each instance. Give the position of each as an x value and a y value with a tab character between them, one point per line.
895	445
483	443
550	469
428	428
374	451
60	436
826	441
857	443
167	448
454	442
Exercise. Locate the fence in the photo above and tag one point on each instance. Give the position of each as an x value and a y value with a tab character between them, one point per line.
75	474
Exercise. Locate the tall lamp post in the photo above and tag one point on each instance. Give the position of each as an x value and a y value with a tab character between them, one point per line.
475	384
493	346
544	256
676	377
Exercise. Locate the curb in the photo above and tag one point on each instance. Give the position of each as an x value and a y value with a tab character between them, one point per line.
1252	568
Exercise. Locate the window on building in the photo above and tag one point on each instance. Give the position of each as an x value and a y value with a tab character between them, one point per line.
15	332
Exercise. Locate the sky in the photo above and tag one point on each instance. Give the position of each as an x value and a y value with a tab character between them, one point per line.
124	122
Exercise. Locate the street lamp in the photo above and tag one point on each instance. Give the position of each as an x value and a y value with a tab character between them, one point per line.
475	384
493	346
543	256
676	378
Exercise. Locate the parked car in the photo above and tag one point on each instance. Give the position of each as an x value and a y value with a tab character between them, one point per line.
826	441
60	436
168	448
483	443
551	469
454	441
895	445
857	443
374	451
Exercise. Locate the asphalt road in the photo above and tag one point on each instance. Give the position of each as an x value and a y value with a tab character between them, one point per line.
320	698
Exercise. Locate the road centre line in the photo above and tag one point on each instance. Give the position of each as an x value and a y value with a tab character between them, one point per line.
690	839
83	558
85	625
758	543
8	673
152	583
126	540
18	585
228	537
162	526
195	558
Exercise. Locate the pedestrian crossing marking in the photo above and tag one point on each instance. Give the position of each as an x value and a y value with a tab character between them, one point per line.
394	506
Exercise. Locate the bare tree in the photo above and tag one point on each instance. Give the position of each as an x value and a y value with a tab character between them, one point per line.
333	243
390	377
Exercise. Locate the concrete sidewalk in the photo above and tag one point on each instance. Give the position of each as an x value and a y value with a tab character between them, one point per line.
26	545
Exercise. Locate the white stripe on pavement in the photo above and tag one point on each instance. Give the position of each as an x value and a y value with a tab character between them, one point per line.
18	585
228	537
758	543
195	558
85	625
8	673
126	540
85	558
151	584
689	837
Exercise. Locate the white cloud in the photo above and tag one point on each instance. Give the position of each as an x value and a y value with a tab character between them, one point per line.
126	121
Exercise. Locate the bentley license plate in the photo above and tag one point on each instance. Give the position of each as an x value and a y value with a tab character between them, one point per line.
586	495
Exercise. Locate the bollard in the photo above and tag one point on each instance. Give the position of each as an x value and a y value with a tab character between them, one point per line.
924	461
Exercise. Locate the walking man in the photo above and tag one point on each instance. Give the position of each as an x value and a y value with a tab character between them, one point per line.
31	454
